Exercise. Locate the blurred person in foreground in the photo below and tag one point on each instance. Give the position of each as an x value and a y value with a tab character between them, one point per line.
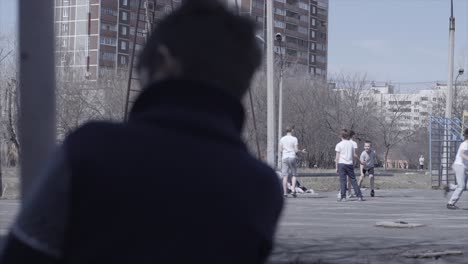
106	198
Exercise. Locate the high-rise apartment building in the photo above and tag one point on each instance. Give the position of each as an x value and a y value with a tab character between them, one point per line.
304	26
95	36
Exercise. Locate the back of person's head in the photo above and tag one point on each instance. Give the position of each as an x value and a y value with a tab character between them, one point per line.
289	130
344	133
202	41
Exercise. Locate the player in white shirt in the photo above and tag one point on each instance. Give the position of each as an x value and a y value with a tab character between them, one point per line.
460	166
288	147
345	153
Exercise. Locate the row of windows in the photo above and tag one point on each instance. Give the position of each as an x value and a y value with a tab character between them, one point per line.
108	11
108	56
108	41
109	27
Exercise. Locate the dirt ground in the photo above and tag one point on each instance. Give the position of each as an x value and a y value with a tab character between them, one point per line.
400	179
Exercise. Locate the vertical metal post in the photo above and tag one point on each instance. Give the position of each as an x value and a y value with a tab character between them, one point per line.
37	87
270	87
280	98
449	94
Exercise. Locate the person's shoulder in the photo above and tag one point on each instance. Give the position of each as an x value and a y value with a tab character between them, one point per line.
92	133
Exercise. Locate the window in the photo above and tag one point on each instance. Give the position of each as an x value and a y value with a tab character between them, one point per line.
322	12
108	56
292	14
321	46
132	31
123	30
424	98
125	2
277	50
281	1
280	24
312	45
64	42
65	28
258	4
124	16
404	102
322	3
434	99
303	55
110	27
291	40
123	60
416	118
312	34
313	10
304	18
312	58
64	12
321	59
303	6
108	11
123	45
138	47
313	22
291	27
280	12
108	41
302	43
291	52
302	30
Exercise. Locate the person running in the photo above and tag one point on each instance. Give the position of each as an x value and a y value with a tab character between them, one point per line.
345	152
288	147
460	166
368	157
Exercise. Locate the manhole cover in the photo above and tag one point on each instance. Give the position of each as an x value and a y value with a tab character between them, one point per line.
398	224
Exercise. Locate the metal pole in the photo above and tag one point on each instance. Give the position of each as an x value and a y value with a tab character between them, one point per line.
280	98
37	87
270	86
449	95
448	106
455	110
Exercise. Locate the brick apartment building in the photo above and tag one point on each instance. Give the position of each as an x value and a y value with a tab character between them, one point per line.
95	36
304	26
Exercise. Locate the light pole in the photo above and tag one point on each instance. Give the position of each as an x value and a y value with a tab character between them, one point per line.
449	96
460	72
270	86
279	39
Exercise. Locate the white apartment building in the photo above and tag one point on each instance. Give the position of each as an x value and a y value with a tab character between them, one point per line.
413	109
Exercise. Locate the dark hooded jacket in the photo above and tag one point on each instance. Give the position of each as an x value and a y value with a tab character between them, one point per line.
119	204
